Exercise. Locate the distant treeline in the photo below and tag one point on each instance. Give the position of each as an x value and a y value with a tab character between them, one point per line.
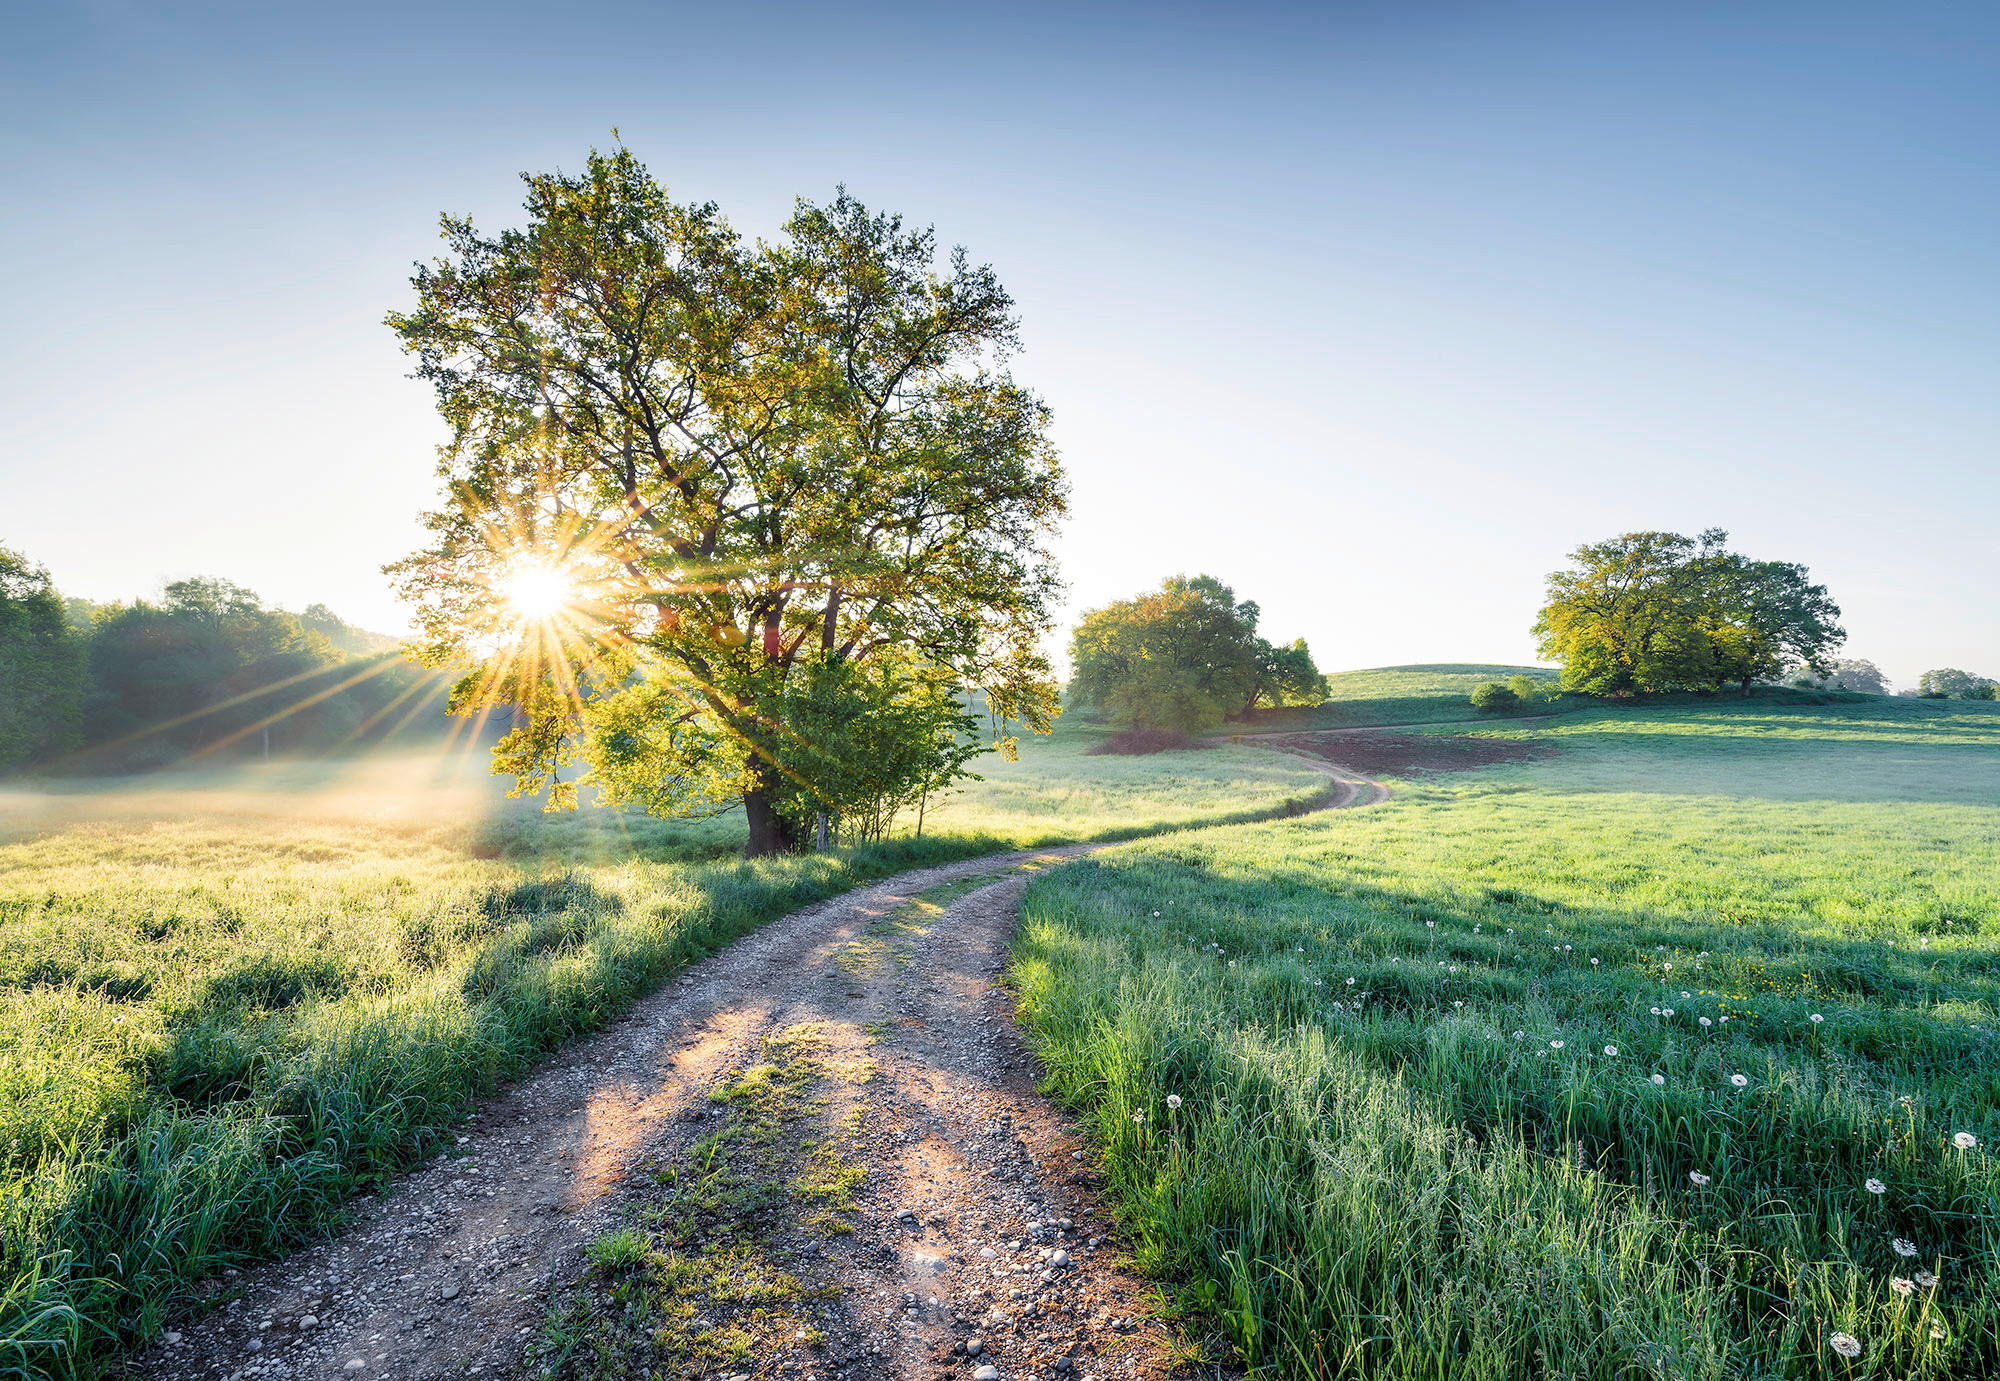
206	670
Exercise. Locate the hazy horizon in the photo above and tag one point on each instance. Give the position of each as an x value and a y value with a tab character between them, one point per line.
1371	312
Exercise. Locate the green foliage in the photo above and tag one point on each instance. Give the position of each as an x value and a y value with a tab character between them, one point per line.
1495	697
1655	611
1405	1176
1184	658
1527	689
43	678
1951	683
744	459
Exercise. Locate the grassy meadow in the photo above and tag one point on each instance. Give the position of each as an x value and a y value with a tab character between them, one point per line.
1672	1052
1425	693
230	1000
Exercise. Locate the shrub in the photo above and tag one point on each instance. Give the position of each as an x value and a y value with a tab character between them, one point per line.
1495	697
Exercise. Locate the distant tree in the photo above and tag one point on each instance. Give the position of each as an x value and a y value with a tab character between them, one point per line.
1656	611
43	671
1496	697
1526	689
1854	674
1184	658
1951	683
748	458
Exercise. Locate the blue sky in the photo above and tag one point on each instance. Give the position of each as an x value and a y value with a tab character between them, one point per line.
1373	310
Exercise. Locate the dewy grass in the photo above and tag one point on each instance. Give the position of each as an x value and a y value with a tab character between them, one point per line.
1670	1054
228	1001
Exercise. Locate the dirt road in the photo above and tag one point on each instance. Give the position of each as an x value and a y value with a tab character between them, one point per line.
828	1141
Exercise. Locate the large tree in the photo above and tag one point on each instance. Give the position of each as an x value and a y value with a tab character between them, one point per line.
1657	611
1184	658
43	679
705	468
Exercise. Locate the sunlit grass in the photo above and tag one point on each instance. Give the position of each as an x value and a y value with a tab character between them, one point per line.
1406	1175
1425	693
230	998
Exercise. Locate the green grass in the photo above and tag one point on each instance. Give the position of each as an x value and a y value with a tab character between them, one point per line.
229	1001
1404	1176
1425	693
1059	791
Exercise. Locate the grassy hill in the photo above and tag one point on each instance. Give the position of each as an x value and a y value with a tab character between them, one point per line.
1423	693
1668	1052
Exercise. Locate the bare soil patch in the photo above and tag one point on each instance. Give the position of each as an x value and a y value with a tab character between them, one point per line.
1405	755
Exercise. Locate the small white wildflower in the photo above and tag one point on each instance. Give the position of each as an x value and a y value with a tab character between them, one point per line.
1593	963
1350	982
1430	925
1611	1050
1846	1344
1874	1186
1700	1180
1903	1286
1460	1003
1555	1045
1156	913
1660	1080
1739	1080
1656	1011
1817	1018
1904	1247
1666	1011
1706	1022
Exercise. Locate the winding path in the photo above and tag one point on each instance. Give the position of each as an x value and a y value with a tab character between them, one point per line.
976	1224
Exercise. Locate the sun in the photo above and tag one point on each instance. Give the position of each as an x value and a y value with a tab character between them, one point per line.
535	593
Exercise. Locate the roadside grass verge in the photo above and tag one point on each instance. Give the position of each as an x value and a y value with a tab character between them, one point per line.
1518	1074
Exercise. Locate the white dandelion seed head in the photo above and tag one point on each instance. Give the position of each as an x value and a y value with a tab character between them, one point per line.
1593	963
1846	1344
1699	1179
1926	1279
1874	1186
1903	1285
1685	996
1430	925
1611	1050
1350	982
1904	1247
1660	1080
1739	1080
1937	1329
1706	1022
1555	1045
1139	1116
1964	1141
1666	1011
1156	913
1656	1011
1459	1003
1173	1102
1517	1035
1817	1018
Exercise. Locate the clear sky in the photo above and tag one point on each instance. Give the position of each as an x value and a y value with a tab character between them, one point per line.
1373	310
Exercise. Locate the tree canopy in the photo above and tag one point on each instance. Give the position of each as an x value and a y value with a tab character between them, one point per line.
1184	658
1951	683
43	671
1656	611
747	465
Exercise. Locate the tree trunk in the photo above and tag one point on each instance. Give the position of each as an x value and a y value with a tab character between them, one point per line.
770	832
1746	688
